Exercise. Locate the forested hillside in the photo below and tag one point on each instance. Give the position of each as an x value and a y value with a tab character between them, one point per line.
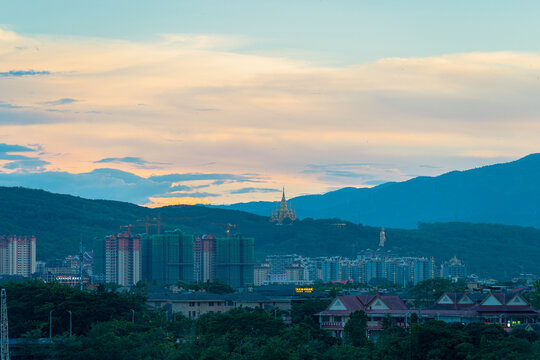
60	221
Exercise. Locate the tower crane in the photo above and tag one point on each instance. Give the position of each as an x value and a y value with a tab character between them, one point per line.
157	220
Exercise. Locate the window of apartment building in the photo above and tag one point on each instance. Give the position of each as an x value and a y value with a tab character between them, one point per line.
326	318
199	303
191	304
210	303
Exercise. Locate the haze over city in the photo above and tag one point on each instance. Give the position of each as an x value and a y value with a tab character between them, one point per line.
222	102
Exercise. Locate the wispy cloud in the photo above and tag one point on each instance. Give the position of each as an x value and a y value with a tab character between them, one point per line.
181	194
29	164
21	162
139	162
204	176
5	148
9	106
248	190
270	115
19	73
206	109
61	101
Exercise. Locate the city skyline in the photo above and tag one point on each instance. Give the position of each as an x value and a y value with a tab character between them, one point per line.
220	103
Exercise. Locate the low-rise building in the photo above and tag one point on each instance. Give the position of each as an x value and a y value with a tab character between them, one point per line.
376	306
193	305
505	309
509	310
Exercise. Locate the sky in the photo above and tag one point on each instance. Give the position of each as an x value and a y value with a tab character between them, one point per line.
184	102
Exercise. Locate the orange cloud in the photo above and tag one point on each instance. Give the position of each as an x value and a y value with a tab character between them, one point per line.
167	201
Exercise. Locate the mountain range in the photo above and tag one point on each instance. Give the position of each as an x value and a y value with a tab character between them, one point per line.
420	215
507	193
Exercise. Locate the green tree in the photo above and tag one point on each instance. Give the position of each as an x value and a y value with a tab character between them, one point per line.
355	329
535	295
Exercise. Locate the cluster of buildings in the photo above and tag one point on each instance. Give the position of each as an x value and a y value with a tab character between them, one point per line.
370	266
509	310
167	258
69	270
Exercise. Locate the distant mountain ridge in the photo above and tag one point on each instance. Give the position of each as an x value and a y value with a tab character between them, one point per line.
507	193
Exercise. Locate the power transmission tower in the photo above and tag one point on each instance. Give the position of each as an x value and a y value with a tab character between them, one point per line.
4	348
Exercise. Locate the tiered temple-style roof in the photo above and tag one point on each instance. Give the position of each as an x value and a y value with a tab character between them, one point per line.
283	212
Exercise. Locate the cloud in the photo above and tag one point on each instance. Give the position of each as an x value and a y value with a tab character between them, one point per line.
21	162
9	106
29	164
60	101
206	109
181	194
103	183
14	116
5	148
139	162
108	184
180	188
202	176
275	113
19	73
248	190
336	173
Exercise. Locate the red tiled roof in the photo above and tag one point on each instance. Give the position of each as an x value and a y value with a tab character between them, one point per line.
351	303
394	302
365	298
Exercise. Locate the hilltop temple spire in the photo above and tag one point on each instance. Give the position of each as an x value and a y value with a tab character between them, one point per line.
283	211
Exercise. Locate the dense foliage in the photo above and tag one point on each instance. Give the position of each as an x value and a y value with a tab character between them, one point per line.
426	292
60	221
104	331
29	305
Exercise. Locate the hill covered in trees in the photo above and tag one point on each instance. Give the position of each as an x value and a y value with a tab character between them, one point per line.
61	221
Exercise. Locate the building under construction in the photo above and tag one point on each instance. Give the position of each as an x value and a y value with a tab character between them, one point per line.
171	257
235	261
178	256
175	256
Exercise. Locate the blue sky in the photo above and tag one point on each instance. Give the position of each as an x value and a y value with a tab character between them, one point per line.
234	99
338	31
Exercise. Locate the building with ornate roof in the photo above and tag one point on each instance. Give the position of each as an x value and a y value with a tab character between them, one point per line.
507	310
283	212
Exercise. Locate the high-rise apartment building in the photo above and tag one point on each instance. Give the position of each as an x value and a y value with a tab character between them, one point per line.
18	255
204	254
118	259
